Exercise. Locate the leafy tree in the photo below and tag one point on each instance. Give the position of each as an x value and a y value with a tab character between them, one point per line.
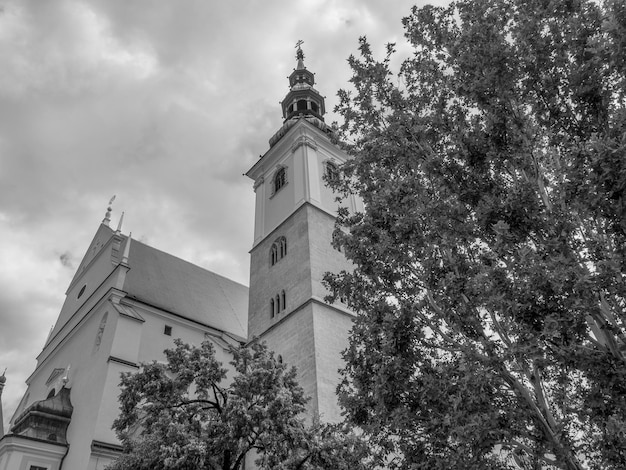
331	447
185	414
490	261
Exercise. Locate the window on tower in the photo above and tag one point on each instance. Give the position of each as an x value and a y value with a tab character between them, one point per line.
280	179
332	172
278	304
278	250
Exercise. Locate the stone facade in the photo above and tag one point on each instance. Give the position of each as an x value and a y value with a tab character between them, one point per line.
309	334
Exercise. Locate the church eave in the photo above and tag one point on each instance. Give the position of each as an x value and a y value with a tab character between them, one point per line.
279	227
163	311
12	437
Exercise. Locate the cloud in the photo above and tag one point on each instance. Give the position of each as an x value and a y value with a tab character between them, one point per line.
66	260
166	105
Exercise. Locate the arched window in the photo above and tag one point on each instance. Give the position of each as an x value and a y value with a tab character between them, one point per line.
277	304
280	179
315	107
278	250
284	300
301	105
332	172
272	308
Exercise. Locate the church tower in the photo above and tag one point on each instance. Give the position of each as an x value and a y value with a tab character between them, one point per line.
294	219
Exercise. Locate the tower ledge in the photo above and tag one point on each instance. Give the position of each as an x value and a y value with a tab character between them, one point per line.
319	123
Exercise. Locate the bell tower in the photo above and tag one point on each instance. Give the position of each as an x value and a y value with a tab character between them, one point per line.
294	219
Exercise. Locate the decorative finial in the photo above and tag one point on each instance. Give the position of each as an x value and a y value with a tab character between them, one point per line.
119	224
66	378
107	216
127	249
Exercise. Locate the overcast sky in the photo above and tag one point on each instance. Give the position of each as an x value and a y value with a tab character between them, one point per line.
163	104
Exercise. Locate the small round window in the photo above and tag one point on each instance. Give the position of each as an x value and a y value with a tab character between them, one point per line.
82	291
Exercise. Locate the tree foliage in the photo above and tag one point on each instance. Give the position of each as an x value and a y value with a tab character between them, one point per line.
187	414
490	259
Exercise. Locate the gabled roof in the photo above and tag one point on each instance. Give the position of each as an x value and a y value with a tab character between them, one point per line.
177	286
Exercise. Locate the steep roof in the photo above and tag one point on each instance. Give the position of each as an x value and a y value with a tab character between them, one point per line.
102	236
172	284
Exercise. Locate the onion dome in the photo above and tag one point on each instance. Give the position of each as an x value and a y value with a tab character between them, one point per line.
47	419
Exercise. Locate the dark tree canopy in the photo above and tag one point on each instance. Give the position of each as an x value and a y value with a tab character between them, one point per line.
490	260
186	415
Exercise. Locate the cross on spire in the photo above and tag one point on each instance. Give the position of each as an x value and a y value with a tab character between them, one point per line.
299	53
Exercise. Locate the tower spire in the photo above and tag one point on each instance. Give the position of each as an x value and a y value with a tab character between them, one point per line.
127	249
302	99
119	224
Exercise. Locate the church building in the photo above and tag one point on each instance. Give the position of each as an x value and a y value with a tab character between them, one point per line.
128	301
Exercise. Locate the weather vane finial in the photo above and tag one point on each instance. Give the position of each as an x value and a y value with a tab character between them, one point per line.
107	216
